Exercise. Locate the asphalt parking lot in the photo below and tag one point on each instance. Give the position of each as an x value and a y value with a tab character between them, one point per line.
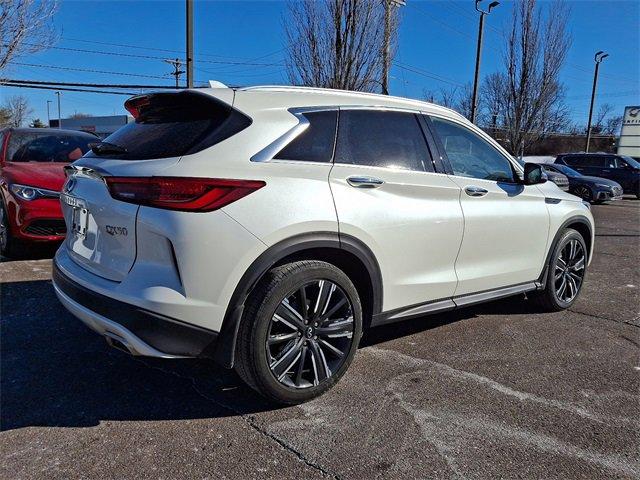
486	392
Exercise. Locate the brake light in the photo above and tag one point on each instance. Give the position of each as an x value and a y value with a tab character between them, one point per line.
135	104
181	193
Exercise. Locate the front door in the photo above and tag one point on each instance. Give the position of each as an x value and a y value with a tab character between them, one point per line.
506	224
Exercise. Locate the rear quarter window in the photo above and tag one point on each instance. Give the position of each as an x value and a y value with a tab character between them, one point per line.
172	125
315	143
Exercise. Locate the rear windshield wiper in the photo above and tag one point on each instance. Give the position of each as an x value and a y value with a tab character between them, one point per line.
105	148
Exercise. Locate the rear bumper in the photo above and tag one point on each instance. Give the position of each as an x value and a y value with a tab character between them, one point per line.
138	331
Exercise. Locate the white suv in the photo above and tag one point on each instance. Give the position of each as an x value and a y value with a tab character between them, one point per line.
265	227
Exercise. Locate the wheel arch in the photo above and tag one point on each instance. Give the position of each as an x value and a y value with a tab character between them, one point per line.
583	227
344	251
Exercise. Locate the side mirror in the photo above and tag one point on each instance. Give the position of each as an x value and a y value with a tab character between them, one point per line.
533	174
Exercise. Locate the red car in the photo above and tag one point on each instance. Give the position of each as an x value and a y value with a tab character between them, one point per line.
31	177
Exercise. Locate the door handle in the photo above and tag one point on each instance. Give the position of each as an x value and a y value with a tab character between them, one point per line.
474	191
364	182
606	170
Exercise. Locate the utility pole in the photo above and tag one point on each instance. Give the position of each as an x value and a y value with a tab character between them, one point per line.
189	43
48	115
598	58
176	64
386	41
59	116
476	76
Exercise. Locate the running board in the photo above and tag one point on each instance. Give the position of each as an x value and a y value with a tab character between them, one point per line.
439	306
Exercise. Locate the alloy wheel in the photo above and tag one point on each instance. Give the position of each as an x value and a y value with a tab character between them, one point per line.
569	271
310	334
584	193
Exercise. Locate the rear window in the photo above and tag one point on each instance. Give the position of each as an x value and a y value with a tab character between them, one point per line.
172	125
47	146
315	143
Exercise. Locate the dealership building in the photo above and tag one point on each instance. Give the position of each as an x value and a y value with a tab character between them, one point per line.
101	126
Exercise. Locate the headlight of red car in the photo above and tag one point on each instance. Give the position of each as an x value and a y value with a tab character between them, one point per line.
25	192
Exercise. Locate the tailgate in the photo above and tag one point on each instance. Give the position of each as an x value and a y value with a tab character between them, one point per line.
101	231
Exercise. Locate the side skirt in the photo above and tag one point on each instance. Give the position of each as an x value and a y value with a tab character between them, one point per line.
453	303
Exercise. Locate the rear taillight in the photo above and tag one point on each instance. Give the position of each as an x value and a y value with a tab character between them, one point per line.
181	193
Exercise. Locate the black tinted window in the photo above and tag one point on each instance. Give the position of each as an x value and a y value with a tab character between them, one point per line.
470	155
315	143
174	124
47	146
585	161
382	139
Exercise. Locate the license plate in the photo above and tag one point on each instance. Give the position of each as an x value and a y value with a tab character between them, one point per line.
79	214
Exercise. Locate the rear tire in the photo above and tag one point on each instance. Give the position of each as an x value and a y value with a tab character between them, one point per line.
285	359
565	273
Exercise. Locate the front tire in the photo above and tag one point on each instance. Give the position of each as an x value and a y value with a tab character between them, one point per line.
9	247
299	331
584	193
565	273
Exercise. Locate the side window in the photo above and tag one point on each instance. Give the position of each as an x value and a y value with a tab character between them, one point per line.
572	161
470	155
594	161
381	138
315	143
621	163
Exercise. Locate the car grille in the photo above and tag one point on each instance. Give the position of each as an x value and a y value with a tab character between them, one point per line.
46	228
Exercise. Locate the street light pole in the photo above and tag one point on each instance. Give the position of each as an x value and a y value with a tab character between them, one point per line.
48	115
598	58
474	100
189	43
59	116
386	46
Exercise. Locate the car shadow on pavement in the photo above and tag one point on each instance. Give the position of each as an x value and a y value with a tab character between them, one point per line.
33	252
57	373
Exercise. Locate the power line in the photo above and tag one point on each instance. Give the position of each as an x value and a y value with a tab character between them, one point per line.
68	89
420	71
75	69
167	50
152	57
75	84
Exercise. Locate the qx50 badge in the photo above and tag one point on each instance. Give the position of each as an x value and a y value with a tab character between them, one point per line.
111	230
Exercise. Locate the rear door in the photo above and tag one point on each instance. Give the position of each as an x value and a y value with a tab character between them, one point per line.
593	165
388	195
506	224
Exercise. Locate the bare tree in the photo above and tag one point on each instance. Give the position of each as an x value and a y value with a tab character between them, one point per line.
80	115
605	122
25	27
612	125
492	102
337	43
530	93
17	110
456	98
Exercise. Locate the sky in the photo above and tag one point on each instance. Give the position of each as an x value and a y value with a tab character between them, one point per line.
436	46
